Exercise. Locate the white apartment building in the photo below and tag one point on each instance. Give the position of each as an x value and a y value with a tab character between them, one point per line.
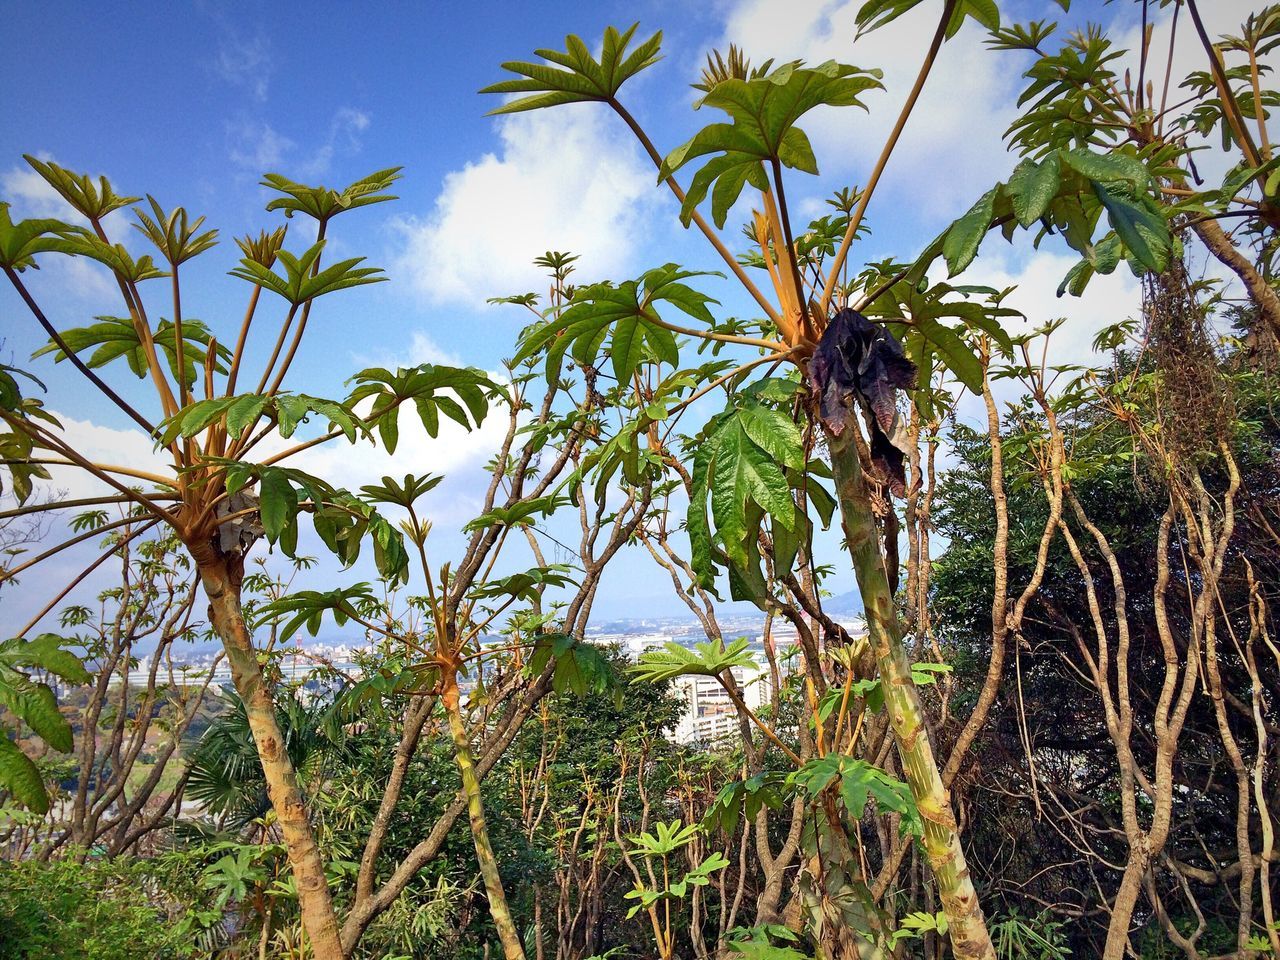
709	713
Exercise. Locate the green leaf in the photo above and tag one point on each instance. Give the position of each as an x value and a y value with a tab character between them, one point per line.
300	284
1032	187
322	203
743	474
93	201
1140	226
961	241
1114	167
37	706
46	652
21	242
18	775
764	110
277	502
774	432
627	314
708	659
959	357
118	337
874	14
574	75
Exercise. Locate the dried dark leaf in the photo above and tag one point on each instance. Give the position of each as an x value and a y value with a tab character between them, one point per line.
858	359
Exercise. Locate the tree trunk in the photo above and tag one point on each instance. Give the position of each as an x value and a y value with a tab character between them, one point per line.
1219	244
968	929
227	619
512	948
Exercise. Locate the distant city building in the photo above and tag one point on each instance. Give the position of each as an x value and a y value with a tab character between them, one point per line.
709	713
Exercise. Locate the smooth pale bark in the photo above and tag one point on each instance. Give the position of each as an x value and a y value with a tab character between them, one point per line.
227	619
968	928
512	948
1263	294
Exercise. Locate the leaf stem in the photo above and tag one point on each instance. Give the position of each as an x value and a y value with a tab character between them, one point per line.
855	220
71	355
712	237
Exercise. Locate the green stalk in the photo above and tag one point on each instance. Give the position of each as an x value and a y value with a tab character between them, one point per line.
512	948
227	618
967	926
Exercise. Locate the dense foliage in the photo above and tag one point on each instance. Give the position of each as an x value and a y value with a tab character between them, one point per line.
1053	735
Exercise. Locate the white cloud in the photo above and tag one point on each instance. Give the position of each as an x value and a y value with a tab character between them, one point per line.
245	61
559	182
951	148
1106	300
456	453
422	349
258	147
344	137
129	448
31	194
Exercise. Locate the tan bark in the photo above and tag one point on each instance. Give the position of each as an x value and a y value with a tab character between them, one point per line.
512	948
1263	294
968	929
314	902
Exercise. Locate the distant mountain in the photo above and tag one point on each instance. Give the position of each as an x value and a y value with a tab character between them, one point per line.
843	604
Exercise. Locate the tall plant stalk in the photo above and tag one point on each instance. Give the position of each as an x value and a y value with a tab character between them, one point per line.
512	948
969	937
226	616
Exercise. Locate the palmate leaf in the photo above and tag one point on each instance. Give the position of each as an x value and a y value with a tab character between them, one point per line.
308	608
764	111
33	703
708	659
580	667
16	448
626	315
21	242
298	285
20	776
341	519
401	494
431	389
92	200
574	75
237	414
877	13
747	465
1068	190
323	203
743	473
173	234
113	256
46	652
116	337
527	586
916	315
521	514
859	782
743	799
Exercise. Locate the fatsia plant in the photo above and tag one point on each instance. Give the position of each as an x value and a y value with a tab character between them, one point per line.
481	641
33	703
217	499
753	465
1142	136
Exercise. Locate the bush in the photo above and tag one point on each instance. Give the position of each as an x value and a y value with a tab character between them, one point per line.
100	910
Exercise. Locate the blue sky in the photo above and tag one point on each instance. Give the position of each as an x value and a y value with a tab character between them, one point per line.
193	101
